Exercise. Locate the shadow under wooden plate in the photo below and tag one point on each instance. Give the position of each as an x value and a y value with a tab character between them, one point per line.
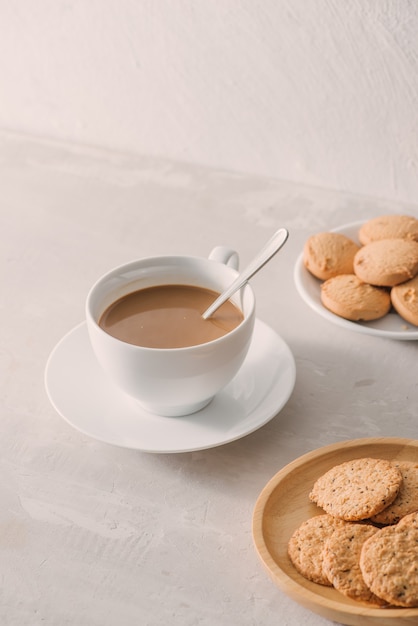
284	504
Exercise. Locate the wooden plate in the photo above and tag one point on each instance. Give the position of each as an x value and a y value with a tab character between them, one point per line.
283	505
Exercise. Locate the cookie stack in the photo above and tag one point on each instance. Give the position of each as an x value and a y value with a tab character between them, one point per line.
365	544
363	282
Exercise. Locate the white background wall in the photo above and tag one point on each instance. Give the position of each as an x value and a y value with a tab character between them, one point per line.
316	91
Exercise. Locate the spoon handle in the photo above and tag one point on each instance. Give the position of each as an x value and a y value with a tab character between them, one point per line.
272	246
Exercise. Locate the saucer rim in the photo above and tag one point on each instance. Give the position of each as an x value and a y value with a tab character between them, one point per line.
283	397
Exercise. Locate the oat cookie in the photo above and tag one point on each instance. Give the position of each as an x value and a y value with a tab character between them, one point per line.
306	546
404	298
409	520
389	227
349	297
341	561
389	564
329	254
407	499
357	489
387	262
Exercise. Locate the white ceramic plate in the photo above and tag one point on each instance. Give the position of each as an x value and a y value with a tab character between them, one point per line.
82	394
392	326
284	504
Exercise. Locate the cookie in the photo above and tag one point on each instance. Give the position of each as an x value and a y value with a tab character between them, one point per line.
407	499
329	254
389	227
341	561
306	545
349	297
357	489
387	262
389	564
404	299
409	520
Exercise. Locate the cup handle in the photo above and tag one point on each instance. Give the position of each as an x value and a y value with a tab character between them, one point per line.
225	255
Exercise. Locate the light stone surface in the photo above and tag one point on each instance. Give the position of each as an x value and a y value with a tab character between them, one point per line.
95	535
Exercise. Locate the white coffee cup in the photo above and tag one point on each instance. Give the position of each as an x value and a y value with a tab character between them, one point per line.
173	381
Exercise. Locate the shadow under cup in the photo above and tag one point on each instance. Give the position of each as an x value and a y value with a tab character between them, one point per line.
172	381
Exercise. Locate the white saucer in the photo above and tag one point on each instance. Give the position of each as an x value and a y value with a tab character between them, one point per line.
81	393
391	326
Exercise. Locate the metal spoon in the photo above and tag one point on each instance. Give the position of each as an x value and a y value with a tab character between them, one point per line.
272	246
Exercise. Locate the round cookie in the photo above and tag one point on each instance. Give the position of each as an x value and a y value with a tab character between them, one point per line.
387	262
409	520
329	254
341	561
389	227
404	299
306	546
349	297
406	501
357	489
388	562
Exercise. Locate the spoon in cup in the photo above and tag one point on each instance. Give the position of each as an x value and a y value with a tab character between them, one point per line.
272	246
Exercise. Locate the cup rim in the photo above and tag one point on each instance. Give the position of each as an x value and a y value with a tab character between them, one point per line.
132	264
